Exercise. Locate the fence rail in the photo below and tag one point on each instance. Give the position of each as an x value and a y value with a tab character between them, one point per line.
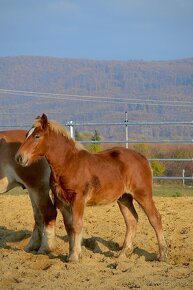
72	125
126	124
174	177
139	141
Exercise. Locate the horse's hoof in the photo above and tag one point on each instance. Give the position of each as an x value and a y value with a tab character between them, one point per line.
163	258
31	248
74	258
126	253
43	251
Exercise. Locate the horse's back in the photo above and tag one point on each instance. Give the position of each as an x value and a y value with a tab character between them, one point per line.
13	135
111	173
128	157
118	159
9	143
11	174
133	166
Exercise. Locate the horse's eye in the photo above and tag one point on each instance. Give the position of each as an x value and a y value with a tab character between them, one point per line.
37	137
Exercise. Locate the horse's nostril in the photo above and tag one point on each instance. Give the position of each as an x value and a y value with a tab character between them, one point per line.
18	159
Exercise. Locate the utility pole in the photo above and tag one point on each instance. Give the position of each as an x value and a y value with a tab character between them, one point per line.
126	131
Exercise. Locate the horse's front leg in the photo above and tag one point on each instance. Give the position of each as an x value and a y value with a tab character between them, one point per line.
43	236
74	223
67	218
49	213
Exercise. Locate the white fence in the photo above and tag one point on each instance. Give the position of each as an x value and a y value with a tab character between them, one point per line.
126	124
73	125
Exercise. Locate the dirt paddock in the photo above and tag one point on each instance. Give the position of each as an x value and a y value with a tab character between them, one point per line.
100	268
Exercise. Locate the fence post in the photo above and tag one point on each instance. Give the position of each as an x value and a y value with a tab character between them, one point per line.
183	175
126	131
71	125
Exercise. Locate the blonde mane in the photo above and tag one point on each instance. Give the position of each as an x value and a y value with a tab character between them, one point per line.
59	129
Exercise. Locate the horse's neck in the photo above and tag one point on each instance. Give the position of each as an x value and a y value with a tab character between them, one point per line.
59	153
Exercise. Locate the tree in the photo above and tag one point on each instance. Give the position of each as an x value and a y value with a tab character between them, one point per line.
95	147
77	135
96	136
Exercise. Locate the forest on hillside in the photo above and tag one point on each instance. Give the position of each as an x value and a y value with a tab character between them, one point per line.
106	78
91	91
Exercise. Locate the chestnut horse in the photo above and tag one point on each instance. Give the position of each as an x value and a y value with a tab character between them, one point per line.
79	178
35	179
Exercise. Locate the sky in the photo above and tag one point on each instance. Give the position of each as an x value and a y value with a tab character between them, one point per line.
97	29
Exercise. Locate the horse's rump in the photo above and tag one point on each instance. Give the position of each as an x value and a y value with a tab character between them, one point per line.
35	179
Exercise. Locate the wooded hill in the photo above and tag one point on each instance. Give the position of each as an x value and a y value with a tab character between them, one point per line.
158	90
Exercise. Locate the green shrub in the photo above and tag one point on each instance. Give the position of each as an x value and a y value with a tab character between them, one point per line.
157	167
143	148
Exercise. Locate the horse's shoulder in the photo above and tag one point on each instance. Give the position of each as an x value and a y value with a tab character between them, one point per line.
12	136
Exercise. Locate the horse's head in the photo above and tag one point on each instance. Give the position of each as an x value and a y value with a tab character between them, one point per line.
34	146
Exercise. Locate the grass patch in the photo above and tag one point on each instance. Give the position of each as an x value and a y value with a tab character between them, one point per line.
172	190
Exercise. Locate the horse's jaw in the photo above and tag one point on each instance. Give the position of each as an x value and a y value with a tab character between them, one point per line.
22	159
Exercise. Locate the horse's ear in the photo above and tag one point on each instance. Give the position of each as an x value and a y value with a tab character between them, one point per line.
44	121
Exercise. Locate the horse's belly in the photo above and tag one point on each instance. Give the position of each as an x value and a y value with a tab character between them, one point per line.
103	197
4	184
7	180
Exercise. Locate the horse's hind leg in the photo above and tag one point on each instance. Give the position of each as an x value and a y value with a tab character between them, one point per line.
35	240
154	217
131	218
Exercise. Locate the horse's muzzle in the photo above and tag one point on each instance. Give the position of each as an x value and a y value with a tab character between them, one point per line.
21	159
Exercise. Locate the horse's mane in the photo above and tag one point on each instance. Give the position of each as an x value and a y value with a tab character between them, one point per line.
59	129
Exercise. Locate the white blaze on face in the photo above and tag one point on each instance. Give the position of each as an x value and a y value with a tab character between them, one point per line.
30	132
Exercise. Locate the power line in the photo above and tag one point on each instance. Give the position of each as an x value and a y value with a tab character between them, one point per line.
84	96
98	99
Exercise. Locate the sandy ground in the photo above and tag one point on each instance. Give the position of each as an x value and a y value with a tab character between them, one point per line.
103	235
